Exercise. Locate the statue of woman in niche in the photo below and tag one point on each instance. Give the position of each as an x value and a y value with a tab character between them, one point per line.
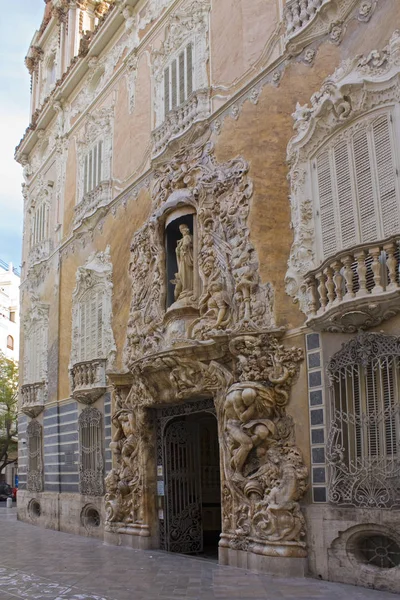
184	257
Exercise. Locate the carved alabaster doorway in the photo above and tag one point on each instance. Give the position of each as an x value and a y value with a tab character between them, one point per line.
188	478
218	340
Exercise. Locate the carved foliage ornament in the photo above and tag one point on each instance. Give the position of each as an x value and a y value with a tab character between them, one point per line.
308	20
358	85
232	295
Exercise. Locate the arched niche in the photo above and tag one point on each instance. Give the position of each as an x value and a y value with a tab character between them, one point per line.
181	253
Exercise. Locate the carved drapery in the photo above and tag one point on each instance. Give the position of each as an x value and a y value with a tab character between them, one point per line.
225	347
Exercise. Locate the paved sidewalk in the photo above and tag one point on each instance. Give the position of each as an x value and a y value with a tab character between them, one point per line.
40	564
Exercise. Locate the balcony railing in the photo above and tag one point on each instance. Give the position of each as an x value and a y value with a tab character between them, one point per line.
299	13
196	108
33	398
356	288
92	201
88	380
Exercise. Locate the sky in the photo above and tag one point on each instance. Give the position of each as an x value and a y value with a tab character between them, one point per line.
17	25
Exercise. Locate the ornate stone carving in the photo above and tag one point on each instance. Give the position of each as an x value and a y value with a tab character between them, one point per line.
264	472
357	86
94	288
232	296
308	20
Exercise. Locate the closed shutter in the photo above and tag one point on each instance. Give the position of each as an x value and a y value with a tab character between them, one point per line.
326	204
372	411
365	194
166	92
386	176
189	70
174	84
100	325
85	175
387	373
100	162
182	94
345	195
93	328
82	332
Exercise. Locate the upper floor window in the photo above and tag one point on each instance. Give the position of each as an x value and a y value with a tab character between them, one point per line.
35	344
12	316
10	342
92	310
344	175
40	224
180	67
178	79
364	438
356	184
93	167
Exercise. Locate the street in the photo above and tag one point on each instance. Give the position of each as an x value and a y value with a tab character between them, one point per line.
39	563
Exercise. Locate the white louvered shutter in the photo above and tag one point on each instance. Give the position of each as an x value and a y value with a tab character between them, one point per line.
345	195
364	182
189	70
326	201
386	176
166	92
99	324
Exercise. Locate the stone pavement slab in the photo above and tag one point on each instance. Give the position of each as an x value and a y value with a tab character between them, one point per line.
38	564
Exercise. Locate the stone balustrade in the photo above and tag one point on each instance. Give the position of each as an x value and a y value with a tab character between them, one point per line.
33	398
92	201
298	13
179	120
356	288
88	380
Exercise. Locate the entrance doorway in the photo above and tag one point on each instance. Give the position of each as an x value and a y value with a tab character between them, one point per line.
192	503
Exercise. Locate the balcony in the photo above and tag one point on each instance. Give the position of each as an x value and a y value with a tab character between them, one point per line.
178	121
34	396
88	380
356	289
92	202
299	13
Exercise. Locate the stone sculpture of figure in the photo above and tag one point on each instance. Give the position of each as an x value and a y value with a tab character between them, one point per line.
184	257
245	428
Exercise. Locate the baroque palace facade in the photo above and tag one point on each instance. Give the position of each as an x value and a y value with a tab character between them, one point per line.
210	286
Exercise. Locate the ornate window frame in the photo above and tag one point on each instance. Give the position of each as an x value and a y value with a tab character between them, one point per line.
35	323
189	25
364	433
98	129
40	215
91	448
359	88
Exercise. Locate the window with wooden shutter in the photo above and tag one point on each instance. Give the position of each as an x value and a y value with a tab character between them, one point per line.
365	424
178	79
356	179
90	335
93	167
40	224
35	352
